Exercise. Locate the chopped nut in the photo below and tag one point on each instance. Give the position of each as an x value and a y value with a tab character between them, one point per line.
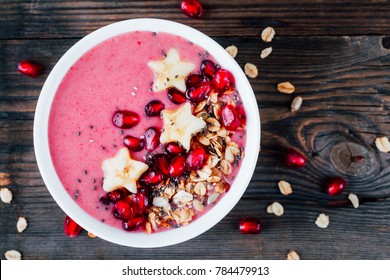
200	106
213	179
91	235
21	225
213	98
161	201
292	256
354	200
251	70
213	198
197	205
232	50
383	144
266	52
204	173
322	220
268	34
4	179
182	197
5	195
286	87
277	209
204	140
285	187
296	103
222	187
226	167
13	255
200	189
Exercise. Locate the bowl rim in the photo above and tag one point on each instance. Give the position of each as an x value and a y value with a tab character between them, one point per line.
64	200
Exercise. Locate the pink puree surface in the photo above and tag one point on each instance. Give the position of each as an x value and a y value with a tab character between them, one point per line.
113	75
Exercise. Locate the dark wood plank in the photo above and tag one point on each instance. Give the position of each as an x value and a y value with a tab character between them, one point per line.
74	19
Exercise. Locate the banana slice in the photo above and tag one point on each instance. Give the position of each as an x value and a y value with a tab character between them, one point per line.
122	171
180	125
170	72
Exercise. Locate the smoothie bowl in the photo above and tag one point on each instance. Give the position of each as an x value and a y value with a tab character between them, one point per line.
146	133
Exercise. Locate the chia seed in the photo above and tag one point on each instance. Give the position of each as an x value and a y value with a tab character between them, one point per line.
76	194
78	180
154	34
85	172
91	126
78	133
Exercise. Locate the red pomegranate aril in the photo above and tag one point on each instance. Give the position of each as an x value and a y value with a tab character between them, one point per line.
71	228
116	195
152	138
151	177
29	68
199	92
336	186
162	164
293	158
195	79
196	159
133	143
174	148
154	108
139	201
133	223
191	8
124	209
176	96
208	68
250	225
125	119
177	166
230	117
223	81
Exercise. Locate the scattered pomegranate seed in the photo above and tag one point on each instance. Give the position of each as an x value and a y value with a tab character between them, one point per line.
154	108
162	164
191	8
199	92
336	186
223	81
151	178
196	159
177	166
208	68
176	96
116	195
250	225
174	148
152	138
230	117
29	68
125	119
195	79
124	209
294	158
133	223
71	228
133	144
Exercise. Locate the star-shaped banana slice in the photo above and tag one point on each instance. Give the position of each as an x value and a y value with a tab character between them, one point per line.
180	125
122	171
170	72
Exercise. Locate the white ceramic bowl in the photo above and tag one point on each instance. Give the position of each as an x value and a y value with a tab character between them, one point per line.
117	235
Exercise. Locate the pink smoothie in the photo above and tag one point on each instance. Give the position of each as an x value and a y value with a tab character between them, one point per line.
112	76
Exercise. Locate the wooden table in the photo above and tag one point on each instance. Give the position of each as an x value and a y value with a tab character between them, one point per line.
336	53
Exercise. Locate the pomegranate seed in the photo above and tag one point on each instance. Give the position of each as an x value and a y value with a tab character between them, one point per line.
195	79
29	68
125	119
223	81
124	209
199	92
294	158
336	186
139	201
208	68
191	8
176	96
71	228
152	138
116	195
230	117
133	223
133	144
154	108
196	159
177	166
174	148
250	225
151	178
162	164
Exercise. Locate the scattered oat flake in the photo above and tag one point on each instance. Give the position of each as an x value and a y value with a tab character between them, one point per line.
354	200
286	87
21	225
251	70
277	209
5	179
292	256
13	255
268	34
5	195
296	104
322	221
232	50
91	235
285	187
266	52
383	144
269	209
